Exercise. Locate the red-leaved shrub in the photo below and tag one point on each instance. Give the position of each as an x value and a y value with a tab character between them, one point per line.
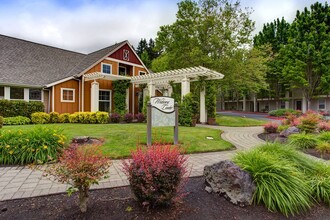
140	117
80	167
309	121
128	117
271	127
157	174
324	126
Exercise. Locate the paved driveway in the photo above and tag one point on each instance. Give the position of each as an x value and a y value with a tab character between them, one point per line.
260	116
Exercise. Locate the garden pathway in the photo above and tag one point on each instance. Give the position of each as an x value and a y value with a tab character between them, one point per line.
22	182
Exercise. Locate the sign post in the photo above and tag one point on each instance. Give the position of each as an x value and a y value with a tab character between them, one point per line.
162	111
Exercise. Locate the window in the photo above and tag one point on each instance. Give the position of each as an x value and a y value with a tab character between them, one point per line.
67	95
122	71
2	92
141	73
104	100
282	104
106	68
16	93
126	55
35	94
321	104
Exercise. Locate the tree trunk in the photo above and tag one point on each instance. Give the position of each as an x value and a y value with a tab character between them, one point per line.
83	200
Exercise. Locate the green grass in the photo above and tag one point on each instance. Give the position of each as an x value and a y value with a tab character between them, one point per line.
236	121
120	139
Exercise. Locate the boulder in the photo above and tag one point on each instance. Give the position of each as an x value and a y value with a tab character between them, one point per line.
228	179
81	139
291	130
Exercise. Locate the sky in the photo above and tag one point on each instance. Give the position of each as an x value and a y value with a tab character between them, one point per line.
88	25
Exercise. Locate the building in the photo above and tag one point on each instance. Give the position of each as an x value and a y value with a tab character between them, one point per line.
67	81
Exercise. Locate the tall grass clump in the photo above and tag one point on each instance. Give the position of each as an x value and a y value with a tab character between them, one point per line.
303	140
324	136
280	185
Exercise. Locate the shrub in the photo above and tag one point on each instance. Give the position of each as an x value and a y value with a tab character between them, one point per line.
282	112
87	117
115	118
156	174
309	122
282	128
323	147
280	185
128	118
1	121
140	117
271	127
324	126
324	136
74	118
186	112
303	141
102	117
119	95
64	118
18	120
54	117
38	145
10	108
80	167
40	118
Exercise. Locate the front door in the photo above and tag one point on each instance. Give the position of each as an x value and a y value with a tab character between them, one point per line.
298	105
105	100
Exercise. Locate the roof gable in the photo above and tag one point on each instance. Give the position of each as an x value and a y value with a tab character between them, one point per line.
125	53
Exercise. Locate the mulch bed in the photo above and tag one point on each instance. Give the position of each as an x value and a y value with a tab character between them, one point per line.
118	203
272	137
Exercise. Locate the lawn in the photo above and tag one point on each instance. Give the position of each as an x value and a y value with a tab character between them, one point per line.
236	121
120	139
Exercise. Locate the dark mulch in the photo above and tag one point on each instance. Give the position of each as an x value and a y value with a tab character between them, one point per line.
117	203
272	137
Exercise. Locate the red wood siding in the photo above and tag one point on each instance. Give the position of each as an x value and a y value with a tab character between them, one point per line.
119	54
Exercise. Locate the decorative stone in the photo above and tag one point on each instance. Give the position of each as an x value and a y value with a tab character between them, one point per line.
208	189
230	180
81	139
289	131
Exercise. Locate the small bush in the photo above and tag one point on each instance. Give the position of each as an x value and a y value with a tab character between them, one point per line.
271	127
128	117
102	117
54	117
303	141
64	118
140	117
1	121
40	118
38	145
282	112
324	126
324	136
186	111
115	117
309	122
74	118
80	167
18	120
282	128
323	147
156	174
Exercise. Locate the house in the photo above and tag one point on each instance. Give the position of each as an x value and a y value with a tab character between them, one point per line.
67	81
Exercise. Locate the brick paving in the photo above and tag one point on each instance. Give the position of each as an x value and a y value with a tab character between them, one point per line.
23	182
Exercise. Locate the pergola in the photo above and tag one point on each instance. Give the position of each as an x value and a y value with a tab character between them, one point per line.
185	76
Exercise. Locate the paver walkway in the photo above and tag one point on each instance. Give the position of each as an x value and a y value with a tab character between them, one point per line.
22	182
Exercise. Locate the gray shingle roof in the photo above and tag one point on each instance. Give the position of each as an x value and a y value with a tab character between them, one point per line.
28	63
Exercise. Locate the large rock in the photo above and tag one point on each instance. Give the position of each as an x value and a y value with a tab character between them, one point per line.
230	180
291	130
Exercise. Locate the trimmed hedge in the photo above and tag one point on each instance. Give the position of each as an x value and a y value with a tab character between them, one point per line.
1	121
282	112
10	108
18	120
40	118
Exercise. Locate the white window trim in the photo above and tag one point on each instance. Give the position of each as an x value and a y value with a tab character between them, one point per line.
74	97
110	98
145	73
318	104
108	64
124	68
16	99
37	100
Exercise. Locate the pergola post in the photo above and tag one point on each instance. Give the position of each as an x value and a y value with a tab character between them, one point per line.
202	113
169	90
127	100
151	88
185	87
95	97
